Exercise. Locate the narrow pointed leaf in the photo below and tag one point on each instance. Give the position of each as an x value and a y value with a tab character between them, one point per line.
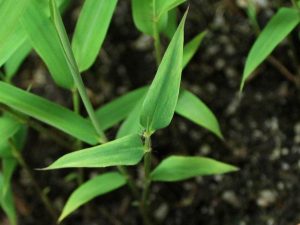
91	189
48	112
117	110
73	68
192	108
88	39
44	39
124	151
14	62
280	25
160	101
177	168
191	48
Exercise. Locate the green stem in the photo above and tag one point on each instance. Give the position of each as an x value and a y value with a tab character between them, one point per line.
36	186
144	204
156	36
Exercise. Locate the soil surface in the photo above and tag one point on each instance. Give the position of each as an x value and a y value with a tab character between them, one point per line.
261	127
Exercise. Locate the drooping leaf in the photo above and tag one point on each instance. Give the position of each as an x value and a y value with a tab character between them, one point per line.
88	39
48	112
14	62
177	168
191	48
118	109
144	16
280	25
8	127
91	189
124	151
160	101
46	43
192	108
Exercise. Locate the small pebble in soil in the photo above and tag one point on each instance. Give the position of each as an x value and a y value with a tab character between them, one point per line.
266	198
161	212
231	198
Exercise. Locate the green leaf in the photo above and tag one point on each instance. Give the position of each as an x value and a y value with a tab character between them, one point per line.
144	16
192	108
177	168
124	151
15	61
7	203
8	168
10	12
73	68
163	6
280	25
191	48
171	27
88	39
91	189
48	112
132	123
46	43
118	109
11	45
160	101
8	127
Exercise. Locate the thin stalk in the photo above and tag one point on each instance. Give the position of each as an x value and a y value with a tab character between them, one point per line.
144	204
156	36
36	186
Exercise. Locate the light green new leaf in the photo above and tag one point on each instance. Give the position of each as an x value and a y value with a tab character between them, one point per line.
90	31
48	112
192	108
7	203
91	189
144	16
163	6
177	168
8	127
118	109
160	101
10	13
124	151
191	48
280	25
46	43
14	62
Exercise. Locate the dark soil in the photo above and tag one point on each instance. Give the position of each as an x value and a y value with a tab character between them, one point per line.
261	128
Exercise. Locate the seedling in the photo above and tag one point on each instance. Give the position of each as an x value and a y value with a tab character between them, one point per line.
144	111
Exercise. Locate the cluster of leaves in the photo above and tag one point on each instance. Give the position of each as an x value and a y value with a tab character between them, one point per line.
37	25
